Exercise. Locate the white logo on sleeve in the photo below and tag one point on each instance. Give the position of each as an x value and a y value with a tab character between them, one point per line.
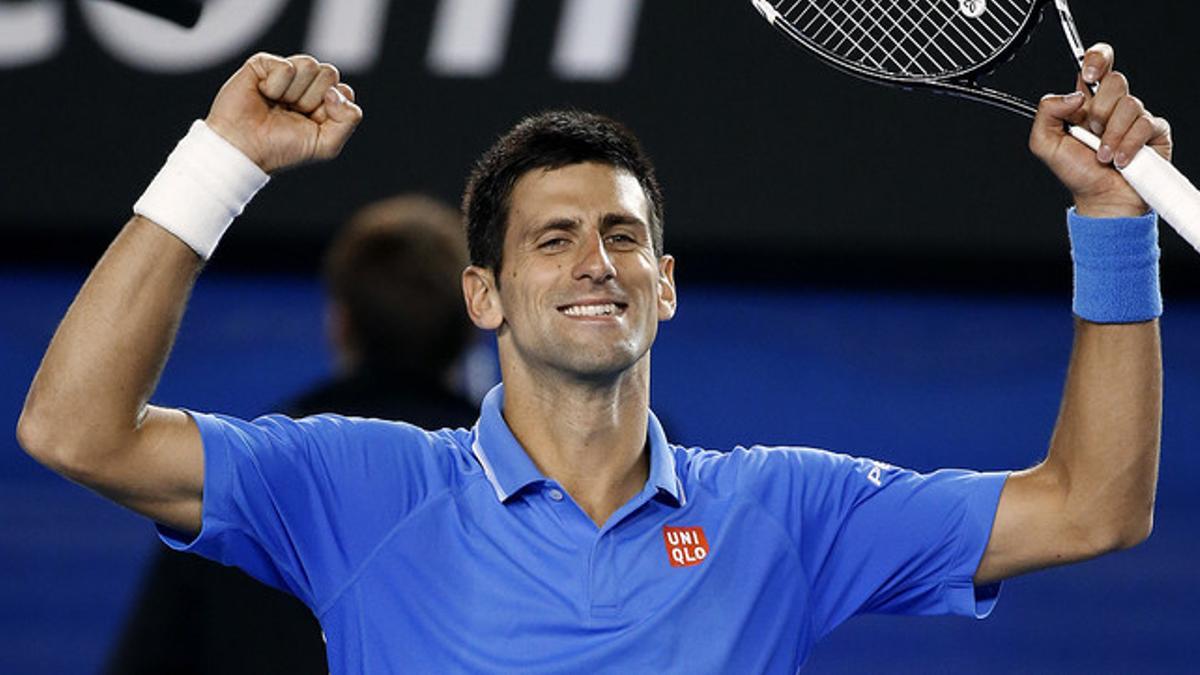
875	475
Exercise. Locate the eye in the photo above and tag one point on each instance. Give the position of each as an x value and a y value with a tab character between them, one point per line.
621	239
553	243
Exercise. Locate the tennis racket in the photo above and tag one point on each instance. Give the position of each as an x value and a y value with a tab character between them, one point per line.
945	46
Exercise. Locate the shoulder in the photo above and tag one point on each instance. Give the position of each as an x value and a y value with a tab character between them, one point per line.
762	470
346	446
757	460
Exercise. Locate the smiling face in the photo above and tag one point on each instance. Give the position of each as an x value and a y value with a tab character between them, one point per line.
581	289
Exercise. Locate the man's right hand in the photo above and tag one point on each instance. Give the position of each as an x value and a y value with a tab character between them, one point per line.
285	112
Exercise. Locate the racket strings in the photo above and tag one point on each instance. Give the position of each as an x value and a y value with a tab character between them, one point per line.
917	39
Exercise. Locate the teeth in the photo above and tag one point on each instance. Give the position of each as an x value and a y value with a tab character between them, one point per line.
591	310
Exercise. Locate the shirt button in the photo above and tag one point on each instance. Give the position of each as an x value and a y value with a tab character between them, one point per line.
556	495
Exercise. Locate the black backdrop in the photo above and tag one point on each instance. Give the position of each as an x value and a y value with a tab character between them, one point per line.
763	152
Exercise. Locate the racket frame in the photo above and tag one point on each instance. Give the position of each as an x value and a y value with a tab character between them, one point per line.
961	83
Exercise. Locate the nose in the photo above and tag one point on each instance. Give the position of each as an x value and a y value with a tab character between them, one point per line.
594	261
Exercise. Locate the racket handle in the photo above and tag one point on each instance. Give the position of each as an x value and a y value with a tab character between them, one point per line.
1163	187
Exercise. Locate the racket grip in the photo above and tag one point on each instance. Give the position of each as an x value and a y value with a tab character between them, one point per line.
1161	185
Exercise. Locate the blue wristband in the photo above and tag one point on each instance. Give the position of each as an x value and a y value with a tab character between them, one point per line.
1116	268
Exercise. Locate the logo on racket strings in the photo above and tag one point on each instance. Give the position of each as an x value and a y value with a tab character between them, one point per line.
972	8
686	546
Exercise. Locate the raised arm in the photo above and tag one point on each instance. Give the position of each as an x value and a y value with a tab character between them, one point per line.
86	415
1094	493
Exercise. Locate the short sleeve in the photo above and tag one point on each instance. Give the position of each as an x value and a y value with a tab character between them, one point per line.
874	538
299	504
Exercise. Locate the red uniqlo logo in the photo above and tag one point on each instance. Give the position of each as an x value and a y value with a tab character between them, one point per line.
686	546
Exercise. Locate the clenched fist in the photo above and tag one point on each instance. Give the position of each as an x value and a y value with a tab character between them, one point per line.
285	112
1123	124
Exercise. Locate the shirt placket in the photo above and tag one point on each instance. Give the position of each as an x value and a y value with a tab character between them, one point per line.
603	585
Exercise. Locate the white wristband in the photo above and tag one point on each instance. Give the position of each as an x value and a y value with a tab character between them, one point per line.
203	186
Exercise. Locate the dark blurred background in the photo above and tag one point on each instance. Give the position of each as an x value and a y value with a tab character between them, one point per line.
867	270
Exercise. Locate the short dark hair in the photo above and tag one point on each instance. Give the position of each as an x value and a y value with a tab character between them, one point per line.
549	140
396	269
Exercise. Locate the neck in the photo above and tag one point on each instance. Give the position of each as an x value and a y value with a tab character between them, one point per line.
590	436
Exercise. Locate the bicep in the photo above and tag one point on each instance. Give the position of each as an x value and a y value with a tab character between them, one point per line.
1032	529
160	471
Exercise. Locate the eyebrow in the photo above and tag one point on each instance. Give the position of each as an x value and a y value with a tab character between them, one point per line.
609	221
559	224
612	219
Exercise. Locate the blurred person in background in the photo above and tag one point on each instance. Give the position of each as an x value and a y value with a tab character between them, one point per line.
398	331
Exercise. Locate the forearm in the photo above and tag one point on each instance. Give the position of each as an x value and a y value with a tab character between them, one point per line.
1094	493
1104	451
1105	446
107	354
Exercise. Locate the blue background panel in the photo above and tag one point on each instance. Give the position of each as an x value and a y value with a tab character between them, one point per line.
919	380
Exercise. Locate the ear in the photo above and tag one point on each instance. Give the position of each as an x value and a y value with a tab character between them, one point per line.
666	287
482	298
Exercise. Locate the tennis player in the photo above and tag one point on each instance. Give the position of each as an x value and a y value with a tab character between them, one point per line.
564	533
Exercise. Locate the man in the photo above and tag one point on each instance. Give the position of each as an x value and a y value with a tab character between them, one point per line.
563	533
396	325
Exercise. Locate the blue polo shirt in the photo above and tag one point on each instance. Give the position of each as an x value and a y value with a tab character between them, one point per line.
448	551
